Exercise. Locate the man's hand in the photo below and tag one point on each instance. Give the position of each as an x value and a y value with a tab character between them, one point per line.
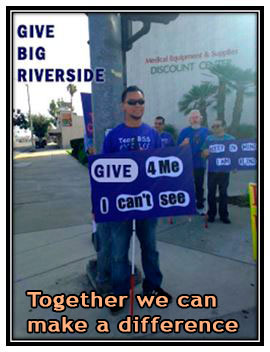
205	153
91	151
185	142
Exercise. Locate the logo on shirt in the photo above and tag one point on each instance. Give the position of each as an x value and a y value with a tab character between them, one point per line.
197	139
134	143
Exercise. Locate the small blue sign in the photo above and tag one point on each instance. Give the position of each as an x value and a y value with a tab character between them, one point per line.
231	155
88	119
142	184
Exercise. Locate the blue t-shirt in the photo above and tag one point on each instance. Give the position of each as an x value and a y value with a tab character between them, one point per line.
166	139
123	138
212	138
196	139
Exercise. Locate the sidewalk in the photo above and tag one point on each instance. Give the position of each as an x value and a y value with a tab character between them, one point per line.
52	246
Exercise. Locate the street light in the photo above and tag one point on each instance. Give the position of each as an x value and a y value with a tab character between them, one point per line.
30	117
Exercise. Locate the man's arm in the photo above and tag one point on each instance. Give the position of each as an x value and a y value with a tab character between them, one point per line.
205	153
171	143
205	149
182	139
158	143
107	145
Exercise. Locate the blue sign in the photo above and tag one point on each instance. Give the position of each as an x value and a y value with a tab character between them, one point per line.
88	119
142	184
231	155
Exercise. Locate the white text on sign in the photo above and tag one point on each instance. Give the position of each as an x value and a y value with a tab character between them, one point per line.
174	198
233	148
249	147
223	161
217	148
114	170
247	161
169	166
142	201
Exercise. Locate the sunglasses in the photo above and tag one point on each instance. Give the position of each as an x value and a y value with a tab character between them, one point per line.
216	126
134	102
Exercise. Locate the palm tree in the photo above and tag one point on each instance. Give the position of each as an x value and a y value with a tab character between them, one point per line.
199	97
231	76
223	74
244	82
72	89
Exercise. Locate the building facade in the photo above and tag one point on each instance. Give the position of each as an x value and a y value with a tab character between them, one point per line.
171	59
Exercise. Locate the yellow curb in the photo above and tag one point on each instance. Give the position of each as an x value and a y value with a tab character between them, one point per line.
40	154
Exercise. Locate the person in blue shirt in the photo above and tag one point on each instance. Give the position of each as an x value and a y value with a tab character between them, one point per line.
133	134
217	179
195	135
166	137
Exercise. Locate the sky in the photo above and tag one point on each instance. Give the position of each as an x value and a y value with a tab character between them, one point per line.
67	49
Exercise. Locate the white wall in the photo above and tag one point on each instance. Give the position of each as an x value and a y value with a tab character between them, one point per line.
189	34
72	132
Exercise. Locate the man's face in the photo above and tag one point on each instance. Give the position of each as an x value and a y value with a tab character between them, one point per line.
159	125
195	119
133	106
218	128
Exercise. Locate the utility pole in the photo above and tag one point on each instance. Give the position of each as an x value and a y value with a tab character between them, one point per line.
106	51
30	117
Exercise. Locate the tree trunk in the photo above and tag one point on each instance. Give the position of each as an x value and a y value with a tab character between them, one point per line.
221	96
203	112
237	109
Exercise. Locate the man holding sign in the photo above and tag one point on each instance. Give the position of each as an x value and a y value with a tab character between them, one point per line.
219	178
195	135
132	135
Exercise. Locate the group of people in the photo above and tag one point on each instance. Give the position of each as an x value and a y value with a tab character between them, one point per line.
114	237
199	138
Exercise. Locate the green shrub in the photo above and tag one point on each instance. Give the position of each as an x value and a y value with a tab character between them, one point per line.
76	145
82	157
40	125
78	152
